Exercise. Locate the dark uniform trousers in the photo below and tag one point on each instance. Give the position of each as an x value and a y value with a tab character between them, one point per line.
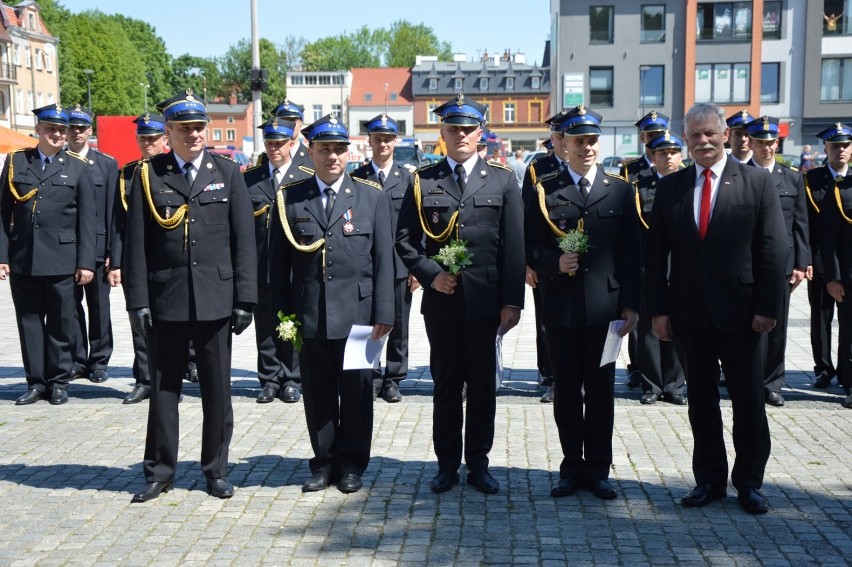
277	361
93	345
658	361
577	309
44	239
191	278
819	184
462	327
397	184
348	280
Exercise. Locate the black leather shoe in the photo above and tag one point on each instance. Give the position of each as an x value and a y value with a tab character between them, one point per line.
483	481
192	375
676	399
58	396
78	373
602	489
318	481
774	399
350	482
545	380
290	393
823	380
390	392
140	392
376	391
703	495
753	501
634	379
99	376
547	398
565	487
31	396
444	481
151	491
847	403
220	487
650	398
267	394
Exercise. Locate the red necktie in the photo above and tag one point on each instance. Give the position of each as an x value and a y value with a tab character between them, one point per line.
704	212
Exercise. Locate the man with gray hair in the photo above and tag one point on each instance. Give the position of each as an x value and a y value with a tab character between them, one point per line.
519	168
717	237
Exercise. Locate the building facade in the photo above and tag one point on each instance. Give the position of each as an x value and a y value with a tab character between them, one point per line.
230	123
377	90
320	92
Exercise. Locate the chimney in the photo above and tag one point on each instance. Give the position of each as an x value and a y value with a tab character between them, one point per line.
485	56
506	56
232	99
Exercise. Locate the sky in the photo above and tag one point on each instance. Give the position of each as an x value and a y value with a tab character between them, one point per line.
209	27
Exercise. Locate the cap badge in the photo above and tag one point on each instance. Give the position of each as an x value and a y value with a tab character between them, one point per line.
332	120
667	136
766	124
384	119
654	115
580	110
58	108
460	99
77	107
189	96
146	118
839	128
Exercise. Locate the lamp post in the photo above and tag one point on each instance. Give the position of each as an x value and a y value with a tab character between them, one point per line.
89	73
386	98
642	70
145	87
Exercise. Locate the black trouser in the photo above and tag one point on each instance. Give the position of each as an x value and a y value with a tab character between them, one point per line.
743	354
277	361
844	342
776	346
44	307
583	403
168	347
338	408
396	356
541	350
662	373
463	351
822	314
93	343
141	369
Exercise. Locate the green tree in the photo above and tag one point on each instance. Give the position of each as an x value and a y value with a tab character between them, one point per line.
407	40
201	74
363	48
157	62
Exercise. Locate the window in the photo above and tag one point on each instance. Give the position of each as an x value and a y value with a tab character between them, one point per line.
536	82
458	84
772	20
368	97
393	97
3	108
30	101
32	21
16	55
19	101
48	61
653	24
433	84
510	83
509	112
652	84
601	24
317	112
50	99
217	134
431	117
483	83
722	83
724	21
297	80
39	100
325	79
28	57
335	108
337	80
230	135
310	79
230	120
600	86
770	82
38	59
837	18
836	79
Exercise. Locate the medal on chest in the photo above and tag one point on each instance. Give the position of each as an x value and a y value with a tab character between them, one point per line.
348	227
435	217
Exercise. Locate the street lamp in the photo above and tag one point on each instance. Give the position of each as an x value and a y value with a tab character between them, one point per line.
386	98
89	73
642	70
145	87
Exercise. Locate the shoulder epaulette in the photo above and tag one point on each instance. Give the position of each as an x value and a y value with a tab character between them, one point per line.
501	165
103	154
628	162
223	157
76	155
617	176
427	166
306	169
372	184
13	152
539	158
291	183
548	175
131	164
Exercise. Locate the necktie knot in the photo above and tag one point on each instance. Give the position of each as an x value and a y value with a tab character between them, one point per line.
584	187
329	201
187	173
459	171
382	178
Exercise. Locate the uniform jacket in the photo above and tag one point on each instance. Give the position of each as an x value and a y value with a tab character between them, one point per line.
262	190
118	226
636	168
608	278
537	169
836	232
819	188
737	271
200	269
348	280
646	193
103	170
790	186
299	158
398	183
490	220
55	231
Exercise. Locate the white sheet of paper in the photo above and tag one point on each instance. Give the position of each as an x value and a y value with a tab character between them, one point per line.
612	346
498	351
361	352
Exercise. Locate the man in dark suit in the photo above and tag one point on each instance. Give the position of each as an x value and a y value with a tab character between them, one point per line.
396	181
331	264
190	274
277	362
662	372
836	250
151	140
790	186
47	244
464	198
714	280
93	345
583	294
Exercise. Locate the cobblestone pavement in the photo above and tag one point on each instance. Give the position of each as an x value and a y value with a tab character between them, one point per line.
67	474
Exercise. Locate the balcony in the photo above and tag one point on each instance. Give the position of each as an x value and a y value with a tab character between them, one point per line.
8	73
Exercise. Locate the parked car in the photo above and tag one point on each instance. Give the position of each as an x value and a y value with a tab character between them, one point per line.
353	165
233	153
533	155
406	153
613	164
